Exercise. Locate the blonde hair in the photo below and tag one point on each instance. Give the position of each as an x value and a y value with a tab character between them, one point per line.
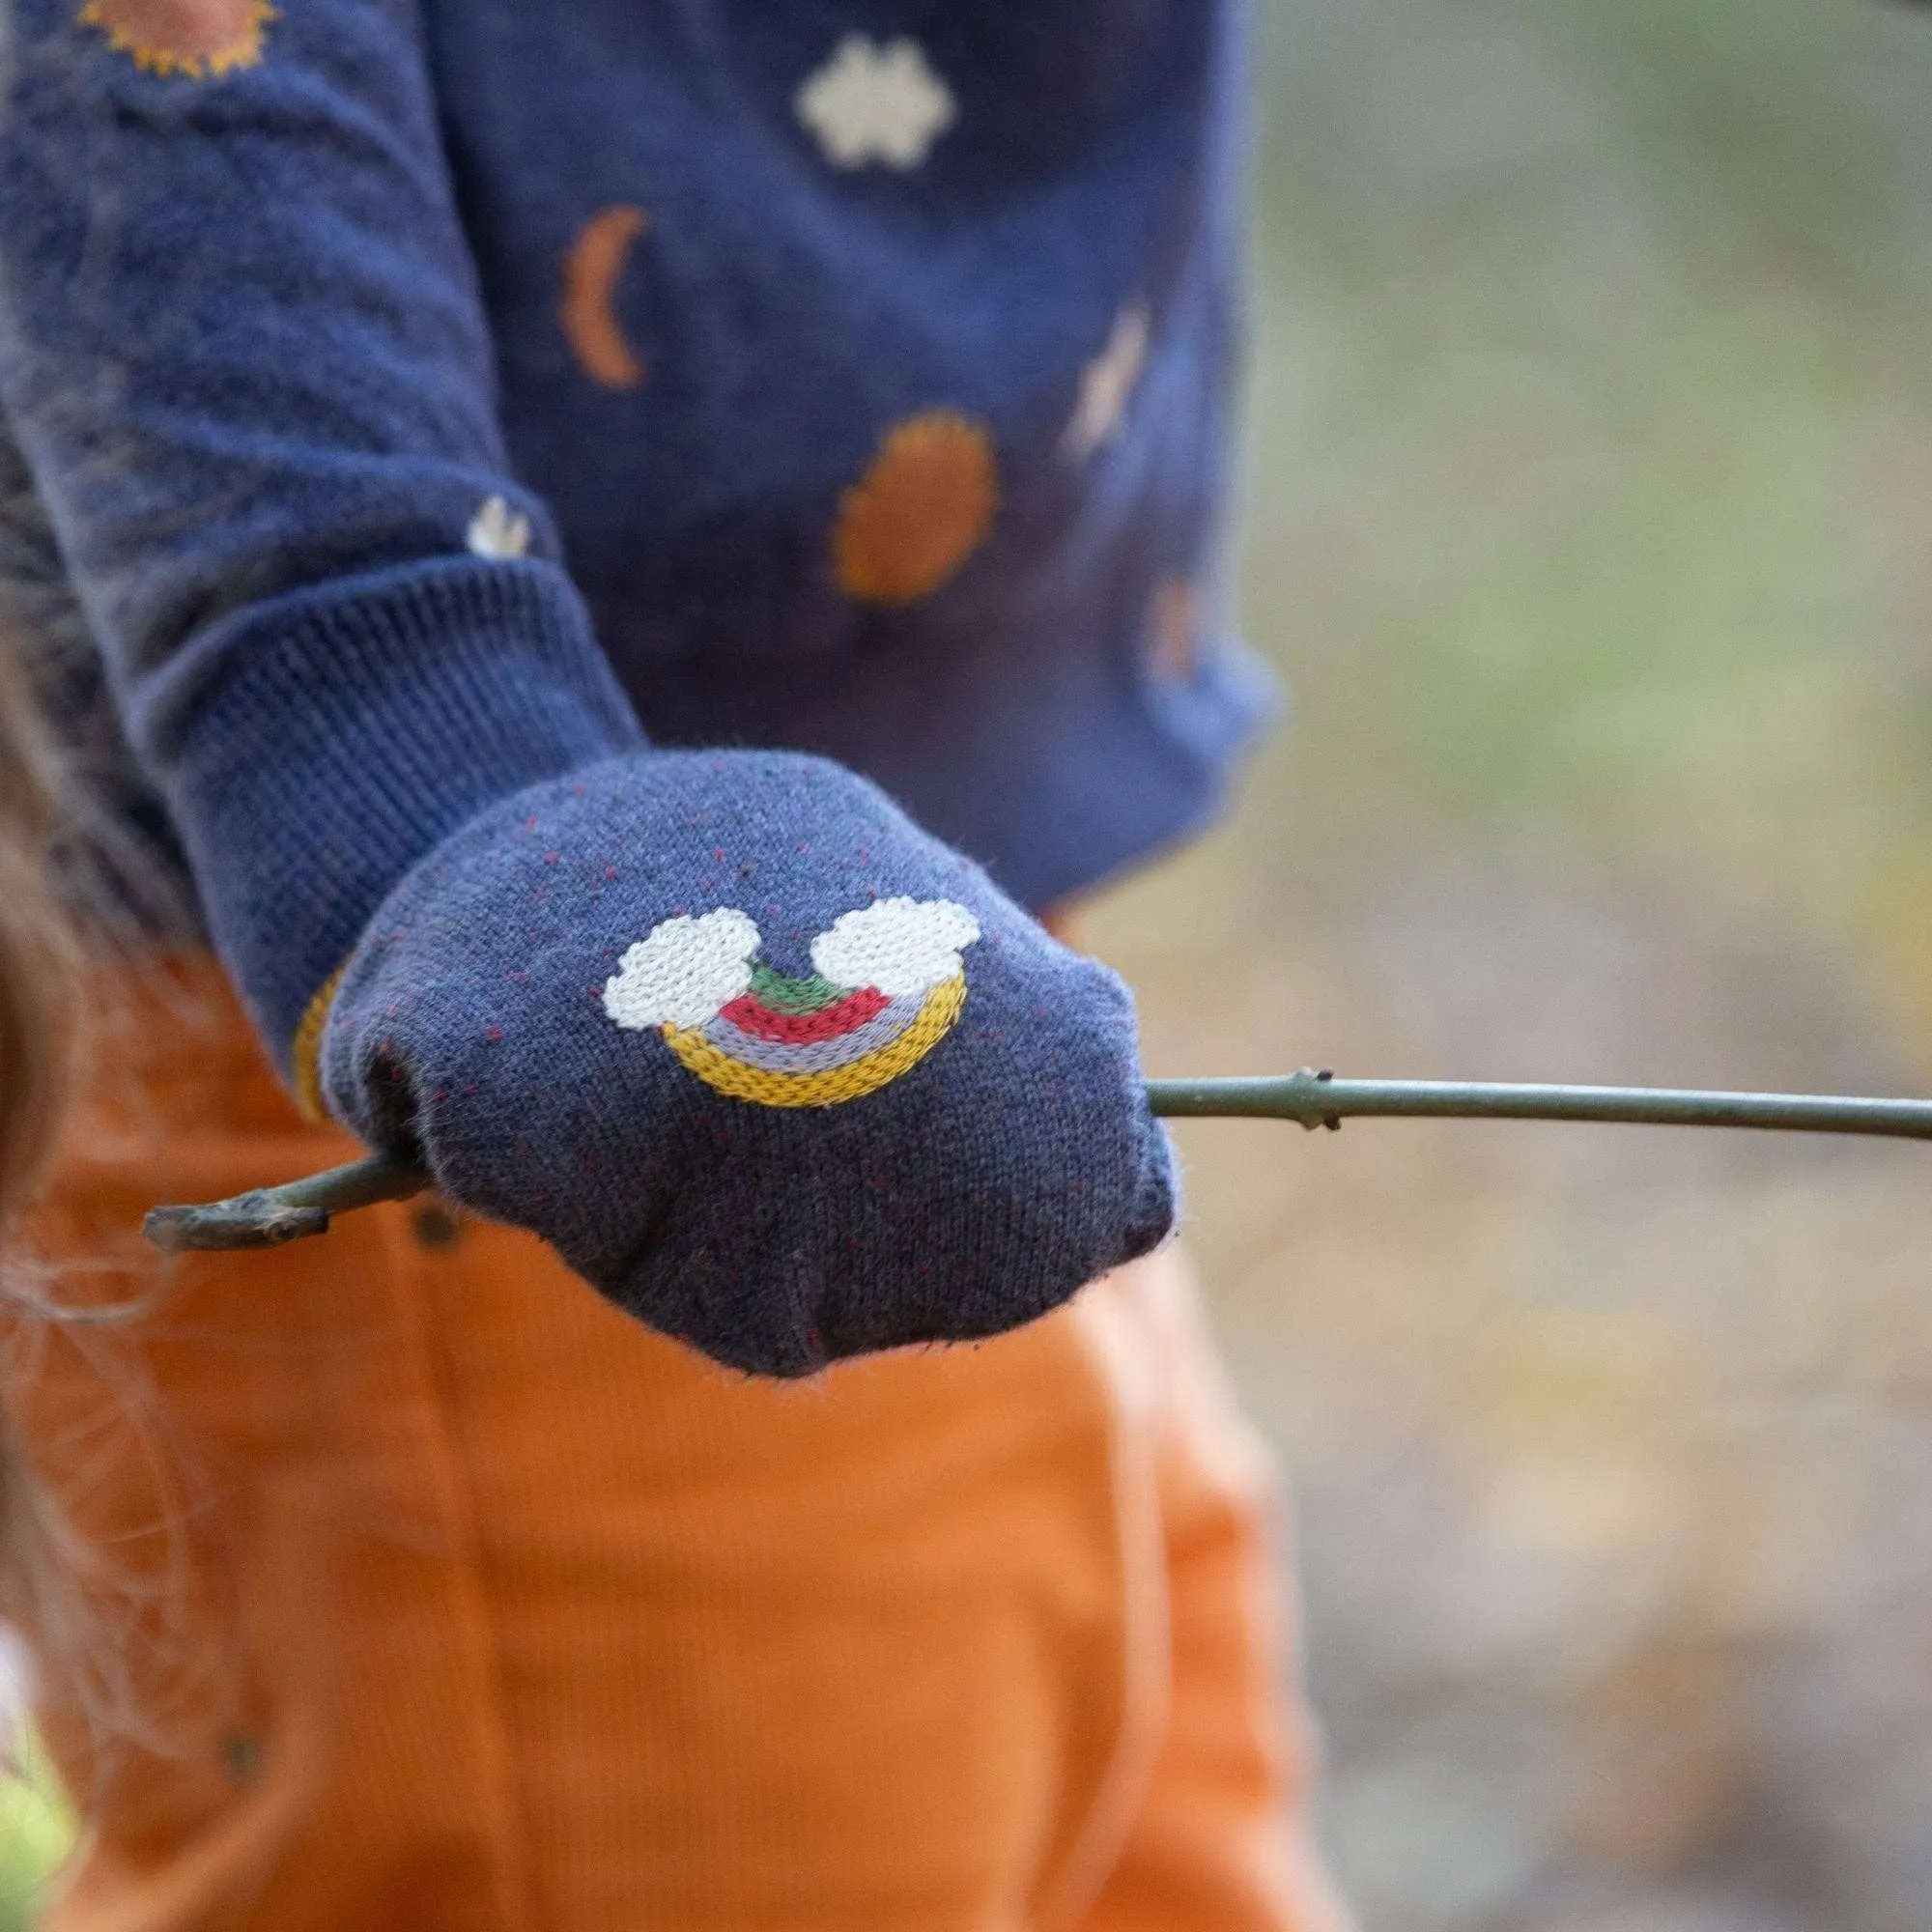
36	955
36	1033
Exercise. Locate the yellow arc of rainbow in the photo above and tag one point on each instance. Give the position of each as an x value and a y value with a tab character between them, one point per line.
829	1087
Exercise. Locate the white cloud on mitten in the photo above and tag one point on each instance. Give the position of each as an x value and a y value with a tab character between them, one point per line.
684	971
902	946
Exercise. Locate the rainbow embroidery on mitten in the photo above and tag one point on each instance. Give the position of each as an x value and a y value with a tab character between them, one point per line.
886	986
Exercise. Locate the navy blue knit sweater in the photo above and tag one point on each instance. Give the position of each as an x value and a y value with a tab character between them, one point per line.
423	394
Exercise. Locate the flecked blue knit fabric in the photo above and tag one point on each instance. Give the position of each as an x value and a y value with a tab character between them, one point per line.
422	394
771	1067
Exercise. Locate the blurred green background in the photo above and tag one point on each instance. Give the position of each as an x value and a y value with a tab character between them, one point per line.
1589	511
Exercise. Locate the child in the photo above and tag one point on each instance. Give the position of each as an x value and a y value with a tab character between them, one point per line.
869	366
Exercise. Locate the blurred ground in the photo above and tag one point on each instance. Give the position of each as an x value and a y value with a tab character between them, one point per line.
1590	512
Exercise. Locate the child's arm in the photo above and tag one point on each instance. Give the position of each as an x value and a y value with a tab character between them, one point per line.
768	1066
242	347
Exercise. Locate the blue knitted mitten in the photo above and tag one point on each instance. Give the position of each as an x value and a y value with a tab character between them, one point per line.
772	1068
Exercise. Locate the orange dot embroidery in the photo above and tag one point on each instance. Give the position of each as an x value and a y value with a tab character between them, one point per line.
1174	631
190	40
921	509
590	271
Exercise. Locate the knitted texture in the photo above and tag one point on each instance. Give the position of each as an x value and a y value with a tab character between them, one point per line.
775	1071
318	744
868	359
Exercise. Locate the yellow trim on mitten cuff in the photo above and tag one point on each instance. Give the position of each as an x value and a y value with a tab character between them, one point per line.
305	1051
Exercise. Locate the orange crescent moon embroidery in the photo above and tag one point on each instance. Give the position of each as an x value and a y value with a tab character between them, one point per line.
591	269
194	40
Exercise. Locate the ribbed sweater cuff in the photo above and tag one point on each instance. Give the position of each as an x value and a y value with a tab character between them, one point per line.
315	746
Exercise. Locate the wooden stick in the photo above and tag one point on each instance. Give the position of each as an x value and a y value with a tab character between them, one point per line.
266	1217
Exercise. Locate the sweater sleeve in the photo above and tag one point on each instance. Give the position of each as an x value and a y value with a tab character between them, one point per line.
243	347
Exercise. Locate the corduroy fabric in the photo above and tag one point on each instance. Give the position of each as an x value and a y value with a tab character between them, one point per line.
456	1603
563	1011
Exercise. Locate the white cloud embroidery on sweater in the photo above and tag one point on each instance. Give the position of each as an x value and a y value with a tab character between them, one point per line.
497	531
1107	385
871	102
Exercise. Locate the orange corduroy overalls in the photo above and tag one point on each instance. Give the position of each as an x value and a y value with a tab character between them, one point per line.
452	1600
